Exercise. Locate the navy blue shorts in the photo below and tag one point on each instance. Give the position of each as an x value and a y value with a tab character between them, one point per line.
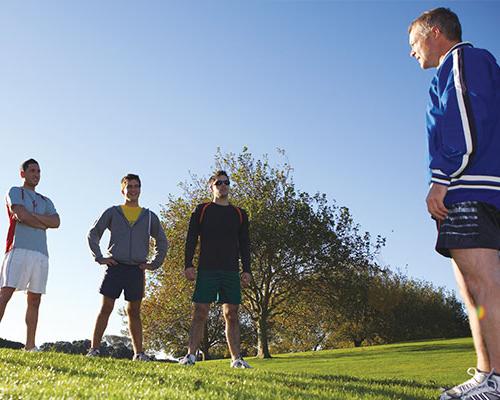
126	278
469	225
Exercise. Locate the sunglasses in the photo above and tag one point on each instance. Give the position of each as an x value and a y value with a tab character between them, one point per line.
218	183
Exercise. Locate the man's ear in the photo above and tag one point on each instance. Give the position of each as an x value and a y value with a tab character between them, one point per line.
23	175
436	32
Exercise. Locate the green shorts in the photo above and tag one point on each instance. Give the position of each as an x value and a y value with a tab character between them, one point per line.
222	287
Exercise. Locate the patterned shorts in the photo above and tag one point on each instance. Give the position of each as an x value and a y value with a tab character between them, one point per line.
469	225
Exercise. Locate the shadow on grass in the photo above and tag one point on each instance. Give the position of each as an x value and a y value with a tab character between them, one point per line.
390	388
445	348
49	366
273	385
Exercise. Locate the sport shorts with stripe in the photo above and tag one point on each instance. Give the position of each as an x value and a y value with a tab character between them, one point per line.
469	225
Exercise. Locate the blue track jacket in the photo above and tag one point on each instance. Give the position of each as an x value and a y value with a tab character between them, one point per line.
463	125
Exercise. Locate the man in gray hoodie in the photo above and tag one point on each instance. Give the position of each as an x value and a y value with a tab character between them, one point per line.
131	228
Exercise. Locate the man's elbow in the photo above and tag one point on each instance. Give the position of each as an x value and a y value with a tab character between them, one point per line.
56	223
19	213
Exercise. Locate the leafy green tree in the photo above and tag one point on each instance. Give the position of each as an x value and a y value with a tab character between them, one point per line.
291	233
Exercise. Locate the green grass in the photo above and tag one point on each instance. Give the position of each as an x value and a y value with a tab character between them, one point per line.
402	371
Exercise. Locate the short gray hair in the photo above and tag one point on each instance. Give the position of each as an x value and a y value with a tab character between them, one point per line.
445	19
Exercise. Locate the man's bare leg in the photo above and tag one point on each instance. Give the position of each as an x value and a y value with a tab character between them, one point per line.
102	321
480	269
200	315
483	362
32	319
5	295
135	324
232	329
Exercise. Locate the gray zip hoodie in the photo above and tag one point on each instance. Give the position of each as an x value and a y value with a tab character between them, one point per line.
129	244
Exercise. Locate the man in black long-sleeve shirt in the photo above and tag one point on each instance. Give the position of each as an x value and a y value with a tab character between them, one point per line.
223	232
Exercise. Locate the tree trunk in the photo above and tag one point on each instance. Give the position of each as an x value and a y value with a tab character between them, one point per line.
263	344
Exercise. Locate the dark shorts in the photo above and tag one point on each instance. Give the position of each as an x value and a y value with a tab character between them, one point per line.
222	287
129	278
469	225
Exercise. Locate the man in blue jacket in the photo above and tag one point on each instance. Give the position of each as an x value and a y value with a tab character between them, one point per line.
131	228
463	126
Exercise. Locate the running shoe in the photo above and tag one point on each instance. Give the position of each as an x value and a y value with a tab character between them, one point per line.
240	363
456	391
32	350
94	353
489	389
141	357
188	360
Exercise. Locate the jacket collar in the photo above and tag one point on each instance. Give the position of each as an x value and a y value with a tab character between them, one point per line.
452	49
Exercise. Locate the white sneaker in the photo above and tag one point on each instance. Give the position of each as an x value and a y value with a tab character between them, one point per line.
188	360
461	389
32	350
240	363
489	389
94	353
141	357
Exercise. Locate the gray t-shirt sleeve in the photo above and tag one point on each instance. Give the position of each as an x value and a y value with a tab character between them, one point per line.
51	210
14	196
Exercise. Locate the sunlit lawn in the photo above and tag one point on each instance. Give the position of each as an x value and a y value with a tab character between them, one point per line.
401	371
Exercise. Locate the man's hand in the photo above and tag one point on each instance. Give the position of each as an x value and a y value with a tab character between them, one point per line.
23	216
246	278
190	273
110	262
145	266
50	221
435	201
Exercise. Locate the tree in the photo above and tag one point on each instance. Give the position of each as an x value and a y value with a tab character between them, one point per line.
291	232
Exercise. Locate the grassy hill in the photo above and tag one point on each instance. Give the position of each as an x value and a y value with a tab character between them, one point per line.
402	371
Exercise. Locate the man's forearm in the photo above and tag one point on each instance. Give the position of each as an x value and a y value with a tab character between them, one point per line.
49	221
25	217
32	221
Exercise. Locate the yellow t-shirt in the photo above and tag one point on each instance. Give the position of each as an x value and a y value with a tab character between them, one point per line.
131	213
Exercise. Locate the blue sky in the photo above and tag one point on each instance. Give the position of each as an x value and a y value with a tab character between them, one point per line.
94	90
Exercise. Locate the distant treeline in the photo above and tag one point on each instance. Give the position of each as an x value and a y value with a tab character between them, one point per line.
112	346
9	344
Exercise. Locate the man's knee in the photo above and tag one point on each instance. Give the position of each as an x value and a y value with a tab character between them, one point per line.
107	308
6	294
134	310
231	313
200	313
480	268
34	300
